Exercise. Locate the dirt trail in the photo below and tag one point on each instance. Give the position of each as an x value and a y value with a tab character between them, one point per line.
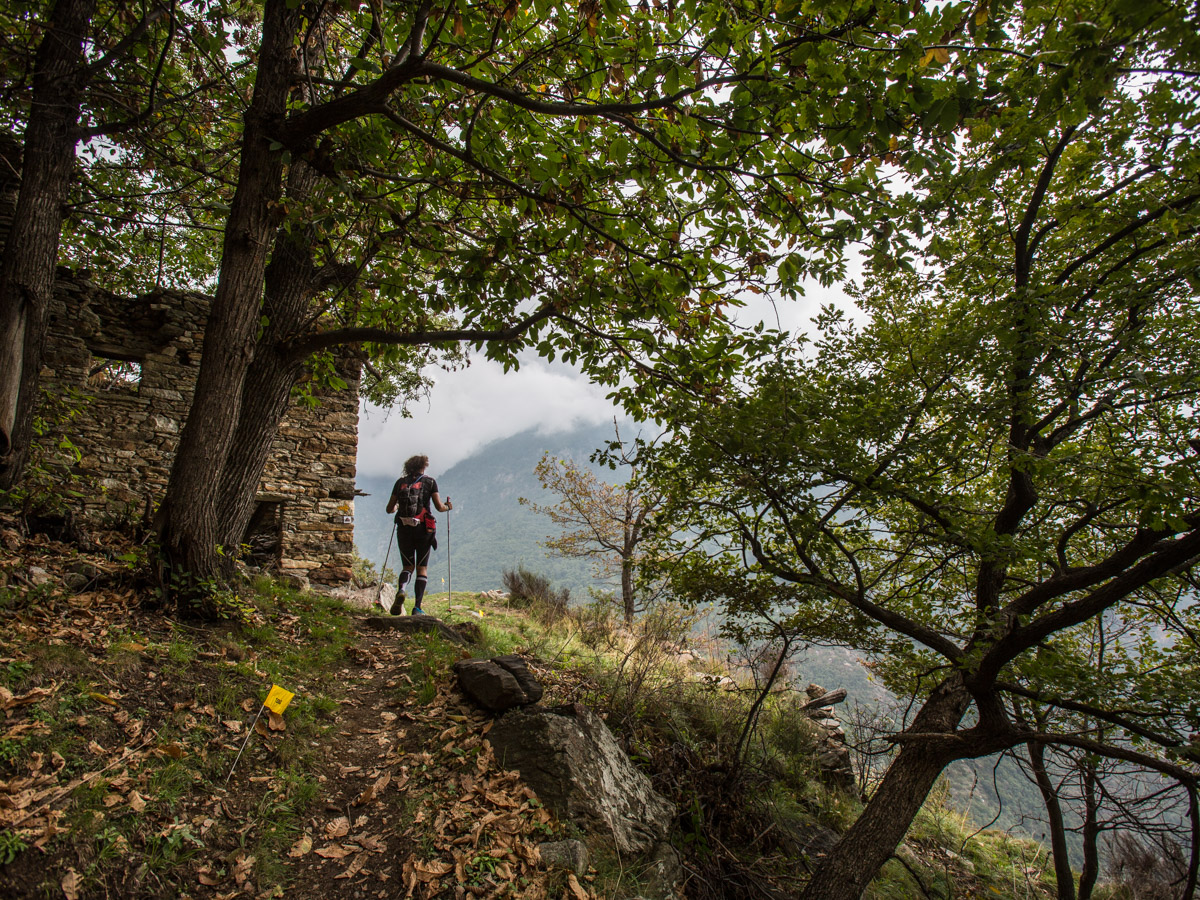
411	800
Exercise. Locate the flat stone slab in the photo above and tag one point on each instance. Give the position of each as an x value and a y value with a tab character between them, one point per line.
416	625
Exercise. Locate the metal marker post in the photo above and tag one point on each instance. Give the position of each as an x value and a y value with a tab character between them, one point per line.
244	743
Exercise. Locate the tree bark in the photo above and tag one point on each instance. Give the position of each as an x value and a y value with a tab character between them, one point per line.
1063	875
874	837
267	390
628	603
1091	833
31	251
187	525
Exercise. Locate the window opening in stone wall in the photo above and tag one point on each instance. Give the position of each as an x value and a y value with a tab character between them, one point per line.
263	542
113	373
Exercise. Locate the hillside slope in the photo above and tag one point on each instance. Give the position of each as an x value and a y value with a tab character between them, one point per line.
124	726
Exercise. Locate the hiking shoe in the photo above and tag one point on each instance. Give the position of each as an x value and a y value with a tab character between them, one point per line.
417	611
398	605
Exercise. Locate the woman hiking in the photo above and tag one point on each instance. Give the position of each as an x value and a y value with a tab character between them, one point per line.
416	528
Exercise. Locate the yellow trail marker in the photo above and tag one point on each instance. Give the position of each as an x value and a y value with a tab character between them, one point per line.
278	699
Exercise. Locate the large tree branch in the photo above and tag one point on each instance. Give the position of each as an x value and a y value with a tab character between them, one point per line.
1120	235
1140	545
1104	715
1169	555
973	743
309	344
1023	253
881	614
367	100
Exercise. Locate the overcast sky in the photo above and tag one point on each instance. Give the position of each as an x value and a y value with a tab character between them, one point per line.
480	404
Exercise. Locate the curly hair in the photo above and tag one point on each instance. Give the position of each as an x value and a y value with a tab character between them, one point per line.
415	465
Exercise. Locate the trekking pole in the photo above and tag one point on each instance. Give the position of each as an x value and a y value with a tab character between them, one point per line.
448	582
383	571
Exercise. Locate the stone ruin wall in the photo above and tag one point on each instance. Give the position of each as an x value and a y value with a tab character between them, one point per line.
127	425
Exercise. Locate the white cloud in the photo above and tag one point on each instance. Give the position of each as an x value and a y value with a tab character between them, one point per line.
480	404
475	406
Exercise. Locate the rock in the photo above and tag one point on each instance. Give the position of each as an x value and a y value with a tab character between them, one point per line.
809	842
571	855
662	877
38	575
364	598
415	624
76	582
571	759
470	631
504	682
824	698
833	756
295	582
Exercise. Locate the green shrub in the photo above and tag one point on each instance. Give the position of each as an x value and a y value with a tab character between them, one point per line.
529	590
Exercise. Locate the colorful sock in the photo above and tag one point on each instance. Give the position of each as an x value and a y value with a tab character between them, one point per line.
419	588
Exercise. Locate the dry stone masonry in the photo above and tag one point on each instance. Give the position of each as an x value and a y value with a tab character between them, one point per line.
126	369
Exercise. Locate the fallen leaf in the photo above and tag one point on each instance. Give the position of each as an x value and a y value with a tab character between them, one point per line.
261	727
338	828
70	885
374	790
276	721
103	698
301	847
576	888
355	866
173	750
136	801
241	870
433	869
205	877
234	725
334	851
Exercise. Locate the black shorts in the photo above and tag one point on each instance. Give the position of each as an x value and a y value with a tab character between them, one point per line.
415	543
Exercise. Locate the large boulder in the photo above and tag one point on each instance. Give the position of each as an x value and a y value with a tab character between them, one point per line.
373	596
497	684
573	762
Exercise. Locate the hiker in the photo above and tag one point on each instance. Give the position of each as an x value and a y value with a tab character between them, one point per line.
416	528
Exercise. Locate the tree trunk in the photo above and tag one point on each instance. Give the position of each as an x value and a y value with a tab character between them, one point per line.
31	251
267	391
874	837
187	525
627	598
1063	875
1091	833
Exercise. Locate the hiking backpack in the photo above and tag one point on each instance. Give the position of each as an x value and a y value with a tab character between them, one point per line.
408	502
